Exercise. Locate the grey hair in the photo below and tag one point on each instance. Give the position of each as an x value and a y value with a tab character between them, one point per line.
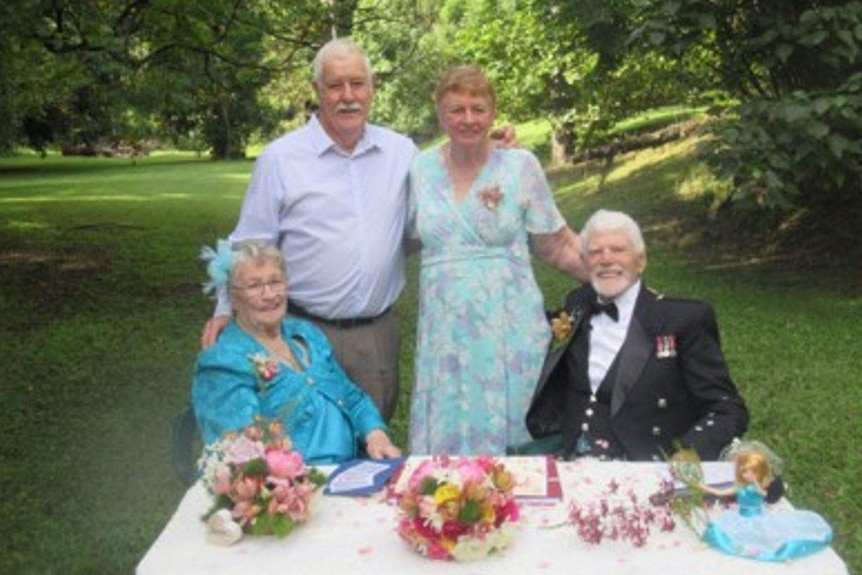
338	49
611	221
258	252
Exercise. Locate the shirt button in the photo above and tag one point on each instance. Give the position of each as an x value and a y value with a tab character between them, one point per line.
589	412
585	427
656	431
309	381
662	403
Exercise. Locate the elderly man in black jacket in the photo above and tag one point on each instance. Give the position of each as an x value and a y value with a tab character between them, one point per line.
632	374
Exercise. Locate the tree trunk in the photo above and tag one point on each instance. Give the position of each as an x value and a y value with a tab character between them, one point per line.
561	146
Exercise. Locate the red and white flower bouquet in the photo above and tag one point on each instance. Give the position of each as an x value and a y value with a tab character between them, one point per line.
261	485
458	508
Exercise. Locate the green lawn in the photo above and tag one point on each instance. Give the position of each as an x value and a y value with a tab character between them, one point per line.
101	311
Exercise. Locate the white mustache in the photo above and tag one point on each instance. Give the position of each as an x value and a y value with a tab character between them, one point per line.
352	107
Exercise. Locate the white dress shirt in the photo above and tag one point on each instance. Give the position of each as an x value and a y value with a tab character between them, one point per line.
607	336
339	218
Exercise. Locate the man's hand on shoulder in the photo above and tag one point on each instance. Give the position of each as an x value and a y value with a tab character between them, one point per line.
505	137
212	329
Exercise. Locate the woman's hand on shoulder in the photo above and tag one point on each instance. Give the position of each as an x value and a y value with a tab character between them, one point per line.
379	446
562	251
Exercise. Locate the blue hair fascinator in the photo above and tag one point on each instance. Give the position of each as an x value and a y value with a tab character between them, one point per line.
220	262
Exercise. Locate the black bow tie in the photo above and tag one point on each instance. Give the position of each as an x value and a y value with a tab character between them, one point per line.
609	308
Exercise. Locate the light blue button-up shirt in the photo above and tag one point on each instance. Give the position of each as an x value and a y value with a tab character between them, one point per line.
338	217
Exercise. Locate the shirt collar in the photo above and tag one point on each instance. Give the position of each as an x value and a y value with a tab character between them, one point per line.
323	143
626	301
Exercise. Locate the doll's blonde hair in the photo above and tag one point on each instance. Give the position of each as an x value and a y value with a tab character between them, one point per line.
756	461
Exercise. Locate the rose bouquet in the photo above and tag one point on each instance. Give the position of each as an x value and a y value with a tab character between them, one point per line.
260	484
458	509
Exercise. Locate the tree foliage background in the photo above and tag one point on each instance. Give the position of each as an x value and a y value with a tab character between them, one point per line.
216	75
795	137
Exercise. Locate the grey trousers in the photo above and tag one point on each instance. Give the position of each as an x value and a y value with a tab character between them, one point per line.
370	354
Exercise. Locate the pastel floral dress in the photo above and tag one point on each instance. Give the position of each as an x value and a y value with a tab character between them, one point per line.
482	333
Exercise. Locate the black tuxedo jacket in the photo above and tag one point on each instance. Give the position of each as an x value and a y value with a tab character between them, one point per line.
670	385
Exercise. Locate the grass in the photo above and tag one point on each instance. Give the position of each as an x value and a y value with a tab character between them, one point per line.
101	311
657	118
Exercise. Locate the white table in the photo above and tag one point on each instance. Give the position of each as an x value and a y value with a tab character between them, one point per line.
357	536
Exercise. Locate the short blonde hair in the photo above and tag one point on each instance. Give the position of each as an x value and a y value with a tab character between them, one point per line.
467	79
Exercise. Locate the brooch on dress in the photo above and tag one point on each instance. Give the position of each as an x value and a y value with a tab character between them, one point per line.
491	197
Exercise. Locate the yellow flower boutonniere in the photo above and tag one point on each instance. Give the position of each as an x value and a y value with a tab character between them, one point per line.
561	328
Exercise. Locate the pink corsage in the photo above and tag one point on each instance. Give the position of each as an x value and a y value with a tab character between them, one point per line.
265	368
491	197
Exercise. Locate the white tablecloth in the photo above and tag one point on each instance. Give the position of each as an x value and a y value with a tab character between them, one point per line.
357	536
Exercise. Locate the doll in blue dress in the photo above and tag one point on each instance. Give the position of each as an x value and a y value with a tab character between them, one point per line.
755	530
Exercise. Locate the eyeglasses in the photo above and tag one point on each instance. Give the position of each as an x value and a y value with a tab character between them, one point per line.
256	289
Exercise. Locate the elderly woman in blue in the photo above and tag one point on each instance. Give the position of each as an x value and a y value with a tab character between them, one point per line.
265	364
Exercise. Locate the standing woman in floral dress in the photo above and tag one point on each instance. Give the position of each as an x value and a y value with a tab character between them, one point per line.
479	212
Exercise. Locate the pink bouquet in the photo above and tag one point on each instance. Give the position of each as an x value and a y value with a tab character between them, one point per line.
260	484
458	509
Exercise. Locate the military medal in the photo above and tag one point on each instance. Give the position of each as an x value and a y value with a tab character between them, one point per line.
665	346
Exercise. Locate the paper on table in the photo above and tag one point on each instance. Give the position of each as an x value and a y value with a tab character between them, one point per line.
362	476
536	478
715	473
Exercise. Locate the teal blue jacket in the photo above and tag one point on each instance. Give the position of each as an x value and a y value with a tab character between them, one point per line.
325	414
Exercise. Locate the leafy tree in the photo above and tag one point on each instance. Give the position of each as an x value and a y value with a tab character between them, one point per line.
615	78
565	60
194	67
40	92
795	139
209	78
401	40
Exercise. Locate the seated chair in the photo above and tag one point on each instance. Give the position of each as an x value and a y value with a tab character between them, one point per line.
187	445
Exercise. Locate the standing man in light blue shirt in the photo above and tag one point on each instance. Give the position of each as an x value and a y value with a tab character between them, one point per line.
333	196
